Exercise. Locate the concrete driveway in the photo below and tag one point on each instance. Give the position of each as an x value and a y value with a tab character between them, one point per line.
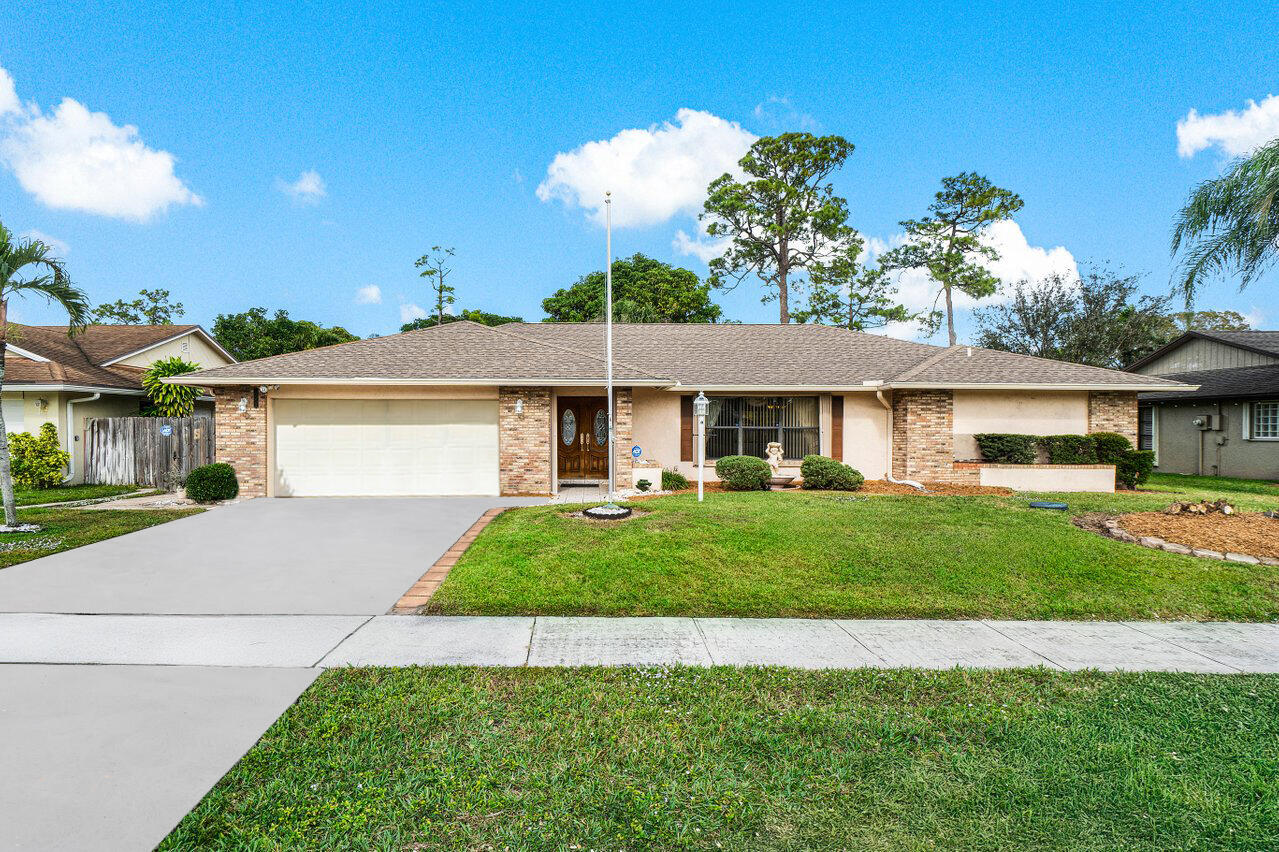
316	556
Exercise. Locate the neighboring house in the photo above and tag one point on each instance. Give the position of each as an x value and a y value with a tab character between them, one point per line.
52	378
1230	425
519	409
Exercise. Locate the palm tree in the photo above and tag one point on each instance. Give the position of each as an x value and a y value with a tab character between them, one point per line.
44	275
1230	224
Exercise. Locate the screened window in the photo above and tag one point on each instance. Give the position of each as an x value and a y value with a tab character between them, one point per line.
1146	428
745	425
1265	420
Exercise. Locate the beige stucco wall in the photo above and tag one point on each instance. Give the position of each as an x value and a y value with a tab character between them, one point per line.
1095	478
1021	412
656	425
865	435
190	347
72	440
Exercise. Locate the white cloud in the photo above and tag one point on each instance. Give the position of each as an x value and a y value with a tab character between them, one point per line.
74	159
9	102
309	188
410	312
370	295
654	174
702	247
782	114
1235	132
1256	317
60	248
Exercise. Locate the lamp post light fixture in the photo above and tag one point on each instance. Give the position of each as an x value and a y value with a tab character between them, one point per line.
701	405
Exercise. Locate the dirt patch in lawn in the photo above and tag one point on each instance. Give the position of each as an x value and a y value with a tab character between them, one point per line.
1251	533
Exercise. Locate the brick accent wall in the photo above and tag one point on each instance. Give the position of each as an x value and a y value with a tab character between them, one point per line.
623	408
524	441
1113	411
240	437
924	438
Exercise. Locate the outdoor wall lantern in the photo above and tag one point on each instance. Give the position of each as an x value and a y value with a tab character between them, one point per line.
701	405
519	406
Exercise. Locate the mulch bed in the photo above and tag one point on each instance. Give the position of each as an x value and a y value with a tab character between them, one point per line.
1251	533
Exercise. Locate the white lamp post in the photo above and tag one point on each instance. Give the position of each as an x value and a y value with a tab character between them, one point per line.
701	405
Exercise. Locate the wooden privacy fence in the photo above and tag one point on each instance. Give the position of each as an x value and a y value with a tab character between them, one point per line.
154	451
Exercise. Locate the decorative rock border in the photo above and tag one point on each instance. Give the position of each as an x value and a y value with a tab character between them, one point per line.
420	592
1115	531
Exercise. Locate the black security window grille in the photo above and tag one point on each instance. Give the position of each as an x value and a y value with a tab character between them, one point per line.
745	425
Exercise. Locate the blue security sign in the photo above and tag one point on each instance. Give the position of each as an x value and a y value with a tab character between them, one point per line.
636	452
166	430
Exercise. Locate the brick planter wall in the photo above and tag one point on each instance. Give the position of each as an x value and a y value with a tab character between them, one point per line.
240	437
524	441
1113	411
924	438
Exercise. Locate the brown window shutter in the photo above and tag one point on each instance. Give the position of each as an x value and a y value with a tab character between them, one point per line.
837	427
685	428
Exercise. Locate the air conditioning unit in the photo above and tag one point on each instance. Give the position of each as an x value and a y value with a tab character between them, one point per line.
1207	422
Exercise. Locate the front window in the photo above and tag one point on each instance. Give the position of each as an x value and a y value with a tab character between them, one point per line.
1265	420
745	425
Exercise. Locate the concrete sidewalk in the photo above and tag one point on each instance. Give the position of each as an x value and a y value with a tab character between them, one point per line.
332	641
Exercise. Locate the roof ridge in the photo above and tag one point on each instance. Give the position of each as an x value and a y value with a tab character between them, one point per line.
563	348
922	365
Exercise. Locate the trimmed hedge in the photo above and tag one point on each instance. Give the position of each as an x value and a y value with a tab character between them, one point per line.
827	474
37	461
673	480
212	482
1132	467
1001	448
743	473
1069	449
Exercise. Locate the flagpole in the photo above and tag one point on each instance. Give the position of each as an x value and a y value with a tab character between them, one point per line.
608	342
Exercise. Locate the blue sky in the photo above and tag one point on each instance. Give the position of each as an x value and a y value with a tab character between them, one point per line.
439	126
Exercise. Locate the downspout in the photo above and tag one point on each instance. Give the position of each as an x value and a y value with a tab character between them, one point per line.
888	447
71	434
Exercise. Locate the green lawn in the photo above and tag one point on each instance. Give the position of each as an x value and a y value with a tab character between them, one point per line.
70	493
755	759
1215	484
68	528
815	554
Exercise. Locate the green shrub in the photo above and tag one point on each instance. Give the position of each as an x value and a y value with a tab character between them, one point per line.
743	473
1132	467
212	482
37	461
169	400
826	474
1069	449
643	485
673	480
1001	448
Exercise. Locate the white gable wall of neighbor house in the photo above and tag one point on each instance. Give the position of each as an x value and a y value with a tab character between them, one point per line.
189	347
1199	354
1019	412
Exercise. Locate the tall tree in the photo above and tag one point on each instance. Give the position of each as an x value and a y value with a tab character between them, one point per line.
1097	319
783	219
252	334
29	267
152	307
644	290
947	242
1183	321
474	315
1230	225
845	293
434	270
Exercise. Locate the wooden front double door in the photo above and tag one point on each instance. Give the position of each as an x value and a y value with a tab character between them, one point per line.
582	437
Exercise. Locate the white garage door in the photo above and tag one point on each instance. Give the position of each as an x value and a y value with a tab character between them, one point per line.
356	447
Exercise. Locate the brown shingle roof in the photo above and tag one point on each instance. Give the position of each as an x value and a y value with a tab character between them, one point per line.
693	355
78	360
462	351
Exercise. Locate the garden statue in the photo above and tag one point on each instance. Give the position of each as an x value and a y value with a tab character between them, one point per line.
774	455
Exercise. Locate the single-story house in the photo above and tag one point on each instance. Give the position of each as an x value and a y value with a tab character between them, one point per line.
1230	425
50	377
520	409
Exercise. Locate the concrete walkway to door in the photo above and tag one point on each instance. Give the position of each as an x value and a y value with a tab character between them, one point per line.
312	556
